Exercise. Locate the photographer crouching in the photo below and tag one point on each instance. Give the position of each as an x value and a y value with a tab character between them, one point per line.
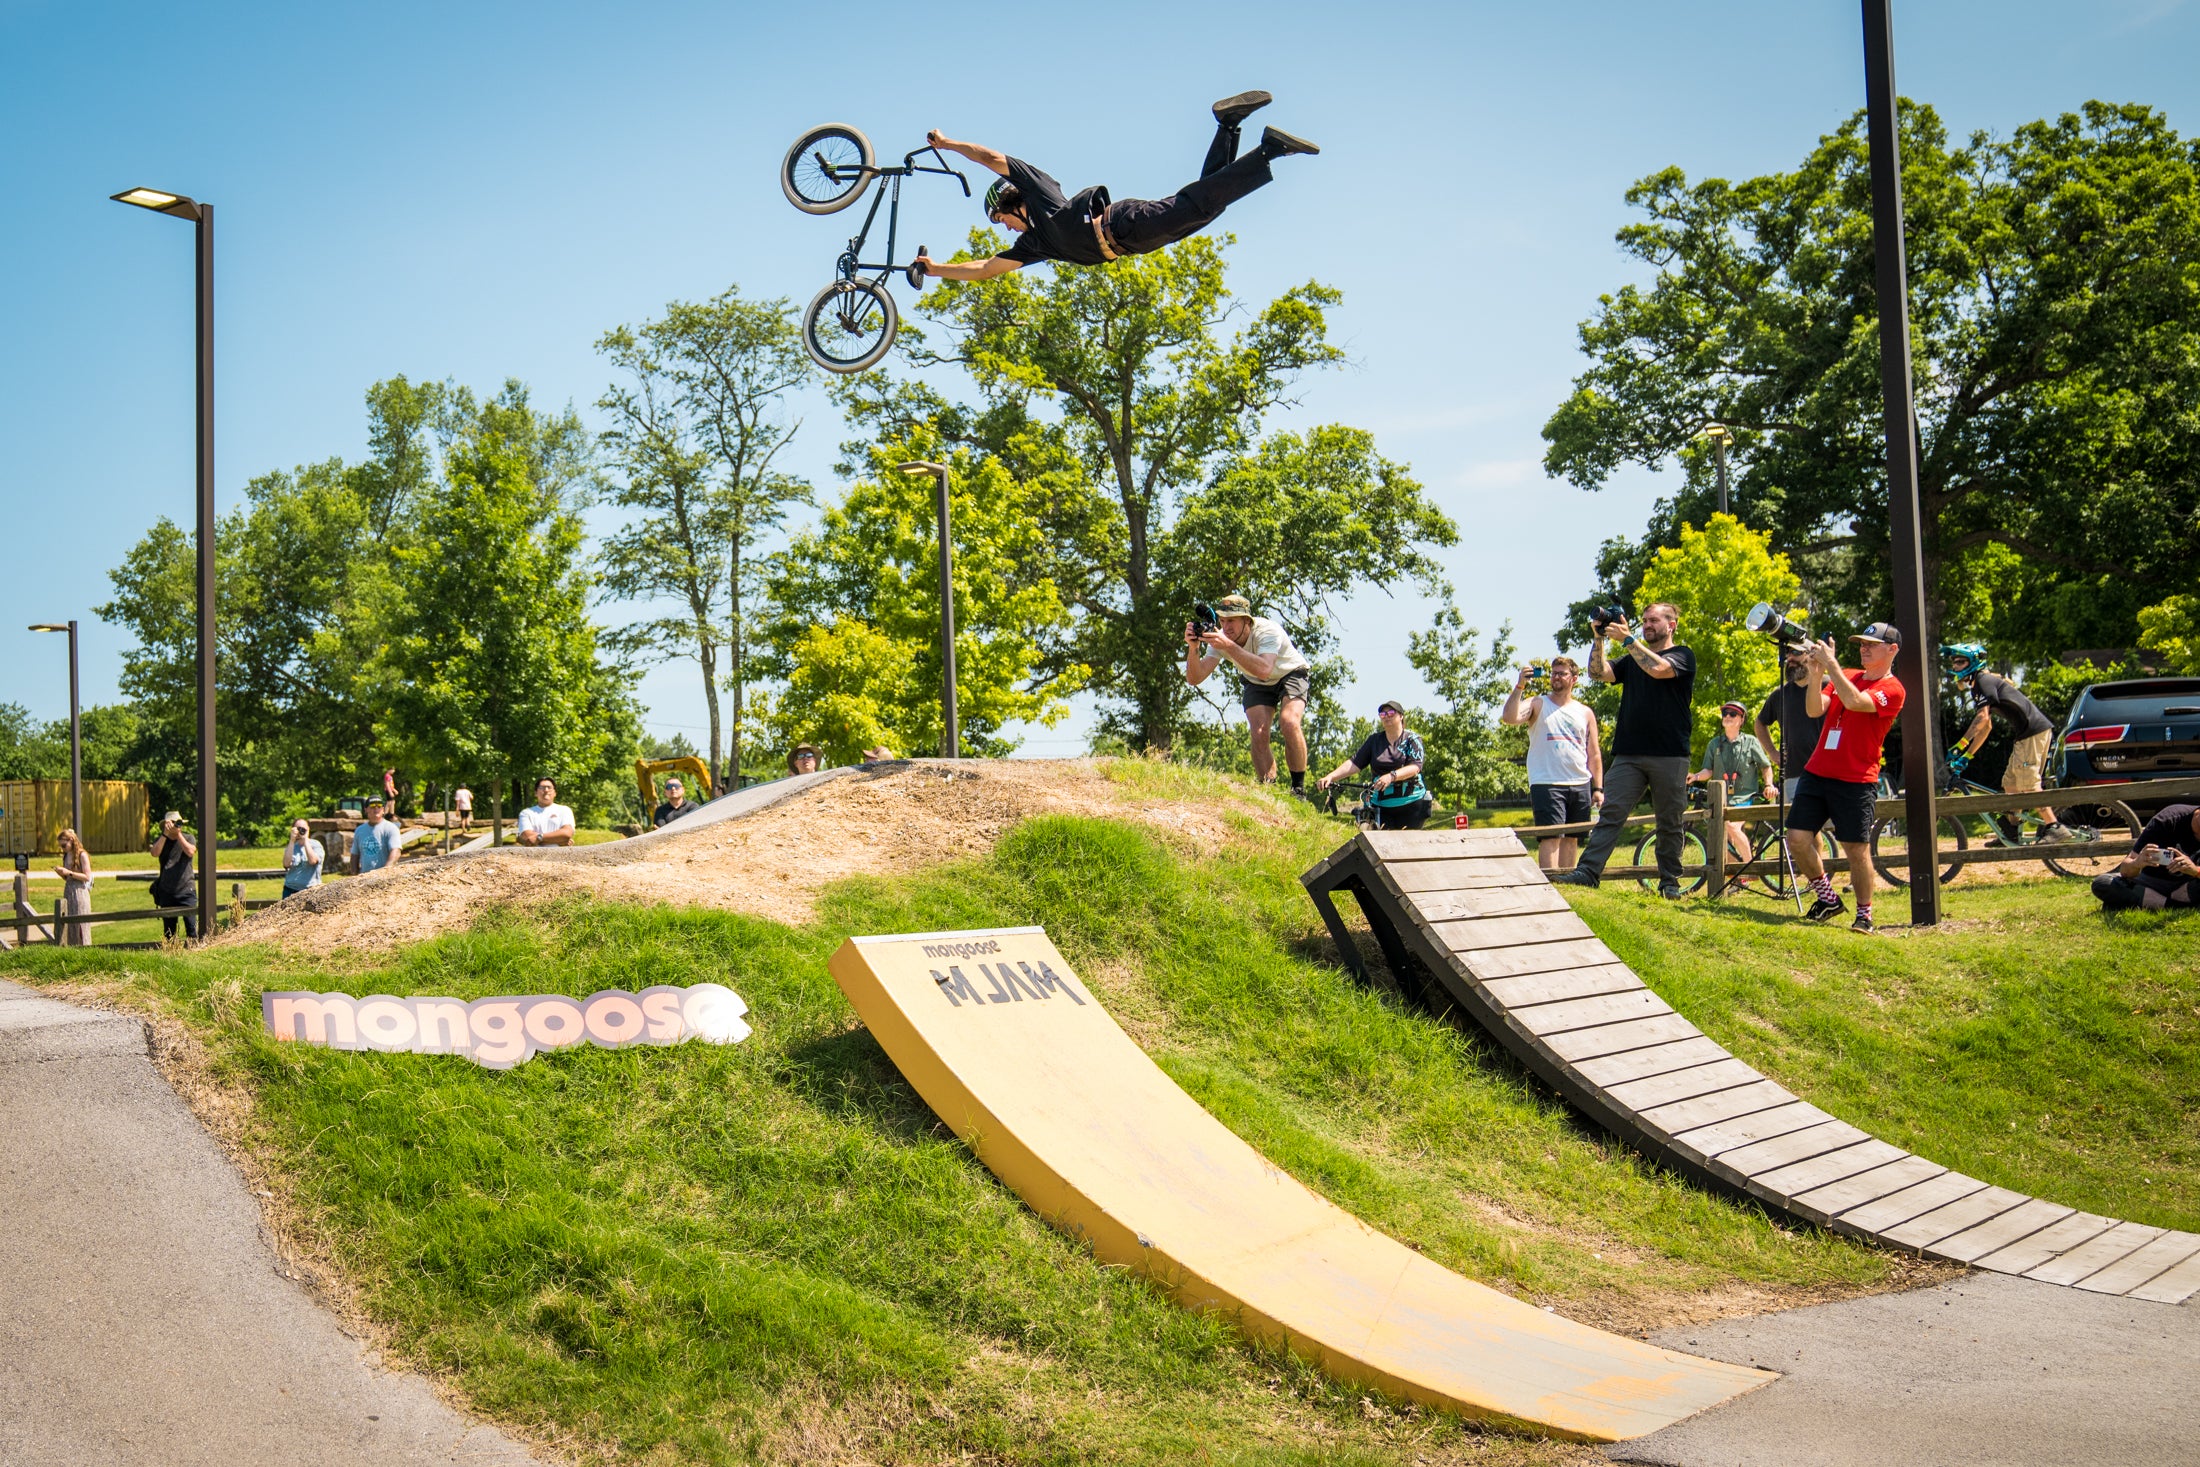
1657	680
1274	678
2164	867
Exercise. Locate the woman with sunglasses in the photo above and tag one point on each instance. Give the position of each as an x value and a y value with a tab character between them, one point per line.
1741	762
1395	754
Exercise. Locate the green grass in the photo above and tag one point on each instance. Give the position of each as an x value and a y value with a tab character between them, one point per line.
775	1251
2029	1040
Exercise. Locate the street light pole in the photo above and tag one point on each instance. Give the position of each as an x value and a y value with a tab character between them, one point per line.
76	730
1906	519
1720	437
950	731
202	215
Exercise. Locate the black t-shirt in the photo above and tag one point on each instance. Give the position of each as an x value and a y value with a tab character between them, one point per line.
172	888
1992	690
668	811
1654	713
1061	229
1788	710
2172	827
1378	755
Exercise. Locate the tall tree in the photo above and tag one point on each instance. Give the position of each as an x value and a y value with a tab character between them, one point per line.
1118	389
695	433
2055	302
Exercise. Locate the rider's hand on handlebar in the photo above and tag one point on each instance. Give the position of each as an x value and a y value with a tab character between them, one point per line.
922	264
935	137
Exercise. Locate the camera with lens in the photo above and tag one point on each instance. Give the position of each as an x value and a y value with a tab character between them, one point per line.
1762	618
2164	858
1601	617
1204	619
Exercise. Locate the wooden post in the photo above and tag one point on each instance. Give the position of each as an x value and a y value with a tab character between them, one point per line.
60	910
496	812
1714	842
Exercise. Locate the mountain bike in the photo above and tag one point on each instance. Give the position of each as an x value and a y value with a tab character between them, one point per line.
1784	882
2013	829
1364	814
851	324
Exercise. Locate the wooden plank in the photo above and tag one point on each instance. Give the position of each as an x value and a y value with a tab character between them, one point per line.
2142	1265
1687	1084
1787	1151
1640	1064
1582	1013
1417	876
1581	1044
2029	1253
1538	957
1488	901
1927	1229
1724	1136
1708	1110
1535	988
1882	1213
1490	932
2095	1253
2173	1287
1437	845
1861	1187
2013	1226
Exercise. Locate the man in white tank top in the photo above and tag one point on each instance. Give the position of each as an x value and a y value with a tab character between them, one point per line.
1565	757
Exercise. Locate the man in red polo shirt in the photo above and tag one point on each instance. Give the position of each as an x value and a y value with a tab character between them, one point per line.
1841	780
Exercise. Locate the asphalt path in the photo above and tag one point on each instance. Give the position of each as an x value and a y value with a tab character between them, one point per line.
144	1321
1983	1371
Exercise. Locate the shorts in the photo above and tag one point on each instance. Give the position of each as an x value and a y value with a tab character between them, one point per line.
1559	804
2027	761
1274	695
1403	817
1849	806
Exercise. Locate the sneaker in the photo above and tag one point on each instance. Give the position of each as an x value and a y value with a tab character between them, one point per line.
1670	892
1575	877
1862	924
1821	909
2049	834
1231	111
1282	145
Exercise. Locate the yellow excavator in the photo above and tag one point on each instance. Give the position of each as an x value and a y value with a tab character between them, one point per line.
647	770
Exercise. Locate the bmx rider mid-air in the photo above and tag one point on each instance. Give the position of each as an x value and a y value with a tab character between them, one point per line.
1091	229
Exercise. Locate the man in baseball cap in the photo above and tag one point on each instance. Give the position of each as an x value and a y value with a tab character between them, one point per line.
1273	681
1841	780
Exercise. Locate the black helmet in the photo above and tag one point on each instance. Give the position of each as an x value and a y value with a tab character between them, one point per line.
993	196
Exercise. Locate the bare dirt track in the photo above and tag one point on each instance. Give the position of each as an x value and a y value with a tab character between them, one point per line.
769	864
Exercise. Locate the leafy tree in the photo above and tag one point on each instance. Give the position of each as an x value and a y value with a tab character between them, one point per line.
1116	391
854	630
489	662
2055	297
694	435
1713	577
1471	755
2172	630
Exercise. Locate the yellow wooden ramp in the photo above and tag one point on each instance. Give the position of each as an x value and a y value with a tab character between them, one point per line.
1014	1053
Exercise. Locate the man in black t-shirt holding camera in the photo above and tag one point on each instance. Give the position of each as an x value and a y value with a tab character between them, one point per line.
1657	683
2164	868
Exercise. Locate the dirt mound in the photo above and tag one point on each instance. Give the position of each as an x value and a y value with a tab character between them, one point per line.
770	864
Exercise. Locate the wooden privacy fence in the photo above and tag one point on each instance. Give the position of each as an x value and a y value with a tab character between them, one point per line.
33	813
1719	868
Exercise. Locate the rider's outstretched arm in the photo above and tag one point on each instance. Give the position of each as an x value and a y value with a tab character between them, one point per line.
970	269
977	153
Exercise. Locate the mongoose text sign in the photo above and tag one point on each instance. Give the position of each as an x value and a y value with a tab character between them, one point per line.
503	1032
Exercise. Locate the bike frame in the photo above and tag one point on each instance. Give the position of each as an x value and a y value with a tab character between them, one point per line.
852	262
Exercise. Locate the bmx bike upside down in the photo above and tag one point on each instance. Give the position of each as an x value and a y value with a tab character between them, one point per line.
851	324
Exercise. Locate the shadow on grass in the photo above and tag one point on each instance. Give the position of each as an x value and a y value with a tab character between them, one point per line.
849	1077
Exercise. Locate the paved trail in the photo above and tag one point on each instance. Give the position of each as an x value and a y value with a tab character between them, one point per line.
1986	1369
142	1319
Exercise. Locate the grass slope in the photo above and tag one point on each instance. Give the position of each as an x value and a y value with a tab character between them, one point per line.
774	1251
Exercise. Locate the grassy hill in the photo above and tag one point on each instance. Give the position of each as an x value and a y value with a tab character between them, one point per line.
774	1251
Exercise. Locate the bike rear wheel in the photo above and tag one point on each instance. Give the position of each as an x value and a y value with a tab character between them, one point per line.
1692	854
850	326
2114	820
1891	842
827	169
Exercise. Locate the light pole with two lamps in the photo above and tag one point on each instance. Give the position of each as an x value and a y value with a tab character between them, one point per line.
202	215
950	734
76	729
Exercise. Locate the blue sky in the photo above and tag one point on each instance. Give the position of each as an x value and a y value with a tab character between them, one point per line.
480	191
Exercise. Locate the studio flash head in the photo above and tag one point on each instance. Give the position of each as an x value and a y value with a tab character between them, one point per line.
1762	618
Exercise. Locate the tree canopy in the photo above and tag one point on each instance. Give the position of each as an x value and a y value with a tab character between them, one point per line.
2055	301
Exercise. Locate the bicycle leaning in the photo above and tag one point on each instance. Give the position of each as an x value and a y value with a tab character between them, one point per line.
851	324
2013	829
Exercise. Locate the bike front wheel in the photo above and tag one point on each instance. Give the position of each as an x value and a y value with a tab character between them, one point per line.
2112	820
1891	845
1692	854
850	326
827	169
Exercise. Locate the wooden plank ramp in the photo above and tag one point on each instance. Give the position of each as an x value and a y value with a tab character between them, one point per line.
1470	927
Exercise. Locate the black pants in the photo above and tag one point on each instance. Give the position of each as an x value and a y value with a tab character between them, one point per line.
2148	891
1626	778
1140	226
1404	817
190	926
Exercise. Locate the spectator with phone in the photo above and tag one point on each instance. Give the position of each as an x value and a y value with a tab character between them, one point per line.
1565	756
2164	867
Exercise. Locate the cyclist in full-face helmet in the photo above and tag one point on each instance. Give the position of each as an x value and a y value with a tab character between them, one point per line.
1990	692
1089	228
